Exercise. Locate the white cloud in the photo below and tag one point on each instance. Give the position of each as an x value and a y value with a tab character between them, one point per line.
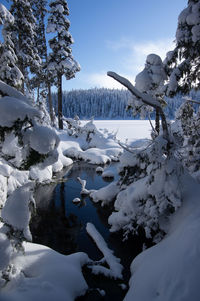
102	80
135	53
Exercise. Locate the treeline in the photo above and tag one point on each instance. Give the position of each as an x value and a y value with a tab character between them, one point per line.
109	104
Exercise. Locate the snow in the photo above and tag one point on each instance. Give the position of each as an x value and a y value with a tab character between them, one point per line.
76	201
5	15
130	130
14	108
40	173
108	174
7	90
88	144
43	139
105	194
16	209
147	99
44	274
113	262
99	169
170	270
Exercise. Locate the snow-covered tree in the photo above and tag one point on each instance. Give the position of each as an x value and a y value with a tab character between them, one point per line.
39	12
61	61
9	72
149	190
24	37
149	81
183	63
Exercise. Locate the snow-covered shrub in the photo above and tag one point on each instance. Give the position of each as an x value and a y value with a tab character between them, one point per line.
149	191
24	141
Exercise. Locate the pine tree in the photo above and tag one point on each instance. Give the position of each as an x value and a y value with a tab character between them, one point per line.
24	36
183	63
9	72
61	61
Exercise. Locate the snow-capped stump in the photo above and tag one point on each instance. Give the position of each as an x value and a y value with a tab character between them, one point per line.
76	201
108	174
84	191
99	169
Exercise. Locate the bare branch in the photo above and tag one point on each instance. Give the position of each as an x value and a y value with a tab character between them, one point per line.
194	101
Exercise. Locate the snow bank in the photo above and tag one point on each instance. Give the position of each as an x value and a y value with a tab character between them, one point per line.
105	194
16	212
44	274
171	269
83	141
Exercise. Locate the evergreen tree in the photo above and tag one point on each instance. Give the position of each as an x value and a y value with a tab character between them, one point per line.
61	61
24	36
9	72
183	63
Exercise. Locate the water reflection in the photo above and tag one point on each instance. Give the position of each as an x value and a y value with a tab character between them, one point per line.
60	224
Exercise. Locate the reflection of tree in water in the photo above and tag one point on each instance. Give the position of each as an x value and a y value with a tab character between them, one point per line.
51	227
80	168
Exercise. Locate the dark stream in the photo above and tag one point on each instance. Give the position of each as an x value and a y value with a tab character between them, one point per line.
60	224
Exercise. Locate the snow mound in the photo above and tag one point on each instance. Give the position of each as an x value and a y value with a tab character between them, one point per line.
85	142
105	194
43	139
46	275
171	269
16	211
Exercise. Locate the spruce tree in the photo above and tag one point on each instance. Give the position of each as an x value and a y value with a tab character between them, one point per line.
61	61
24	36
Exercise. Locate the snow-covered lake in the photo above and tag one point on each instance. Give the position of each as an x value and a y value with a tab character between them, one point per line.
126	129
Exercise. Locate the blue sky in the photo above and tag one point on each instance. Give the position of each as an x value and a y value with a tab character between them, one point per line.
117	35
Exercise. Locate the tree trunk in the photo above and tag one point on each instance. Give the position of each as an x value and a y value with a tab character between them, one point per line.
157	121
38	94
60	121
50	103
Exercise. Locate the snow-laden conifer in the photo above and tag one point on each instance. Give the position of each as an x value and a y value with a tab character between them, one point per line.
24	39
9	72
182	64
61	61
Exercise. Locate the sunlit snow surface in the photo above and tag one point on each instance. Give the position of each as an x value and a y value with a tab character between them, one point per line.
126	129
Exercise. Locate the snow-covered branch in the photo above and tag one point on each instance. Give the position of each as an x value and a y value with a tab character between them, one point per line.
145	98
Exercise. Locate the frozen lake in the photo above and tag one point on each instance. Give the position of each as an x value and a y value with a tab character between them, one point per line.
126	129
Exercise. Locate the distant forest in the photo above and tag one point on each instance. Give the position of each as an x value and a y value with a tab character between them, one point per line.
109	104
